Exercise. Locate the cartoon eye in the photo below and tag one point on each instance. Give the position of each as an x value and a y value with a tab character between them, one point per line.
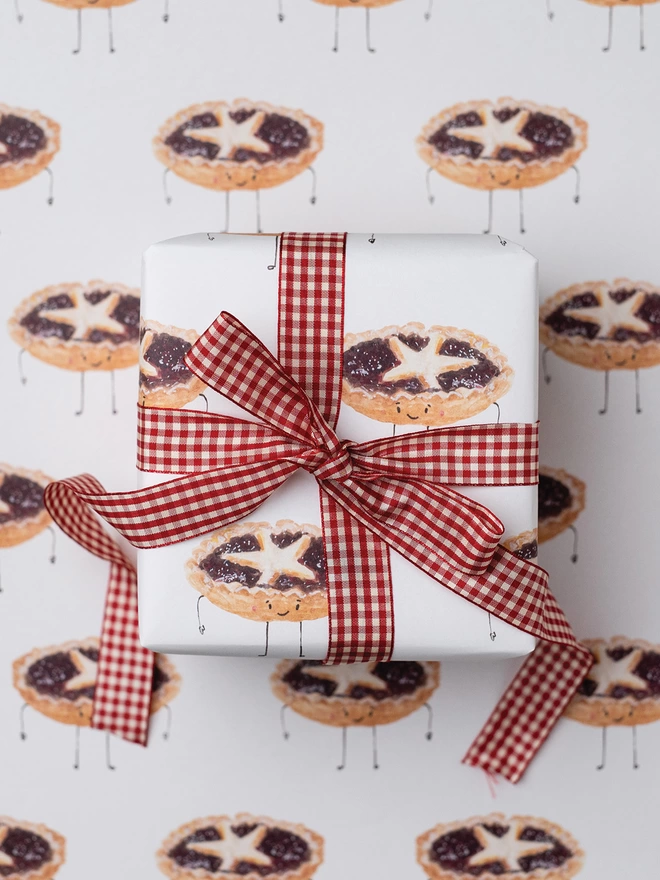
269	605
398	408
297	606
426	409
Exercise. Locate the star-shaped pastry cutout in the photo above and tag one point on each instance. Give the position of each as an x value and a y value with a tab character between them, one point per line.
146	368
610	314
233	849
608	673
4	507
425	365
273	561
230	135
87	672
493	134
84	315
347	676
6	860
507	849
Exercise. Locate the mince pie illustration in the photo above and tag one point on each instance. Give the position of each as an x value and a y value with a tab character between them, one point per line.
80	327
29	851
622	688
241	145
165	380
355	694
561	499
414	375
80	5
263	572
244	845
610	4
499	846
525	545
605	327
60	681
22	511
367	5
506	144
28	142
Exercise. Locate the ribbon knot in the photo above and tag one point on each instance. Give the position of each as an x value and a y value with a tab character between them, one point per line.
333	464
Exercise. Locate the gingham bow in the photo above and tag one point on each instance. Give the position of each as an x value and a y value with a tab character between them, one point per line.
375	495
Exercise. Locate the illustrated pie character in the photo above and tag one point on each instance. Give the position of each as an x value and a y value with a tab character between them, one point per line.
244	845
622	688
165	380
80	5
524	546
499	846
367	5
503	144
22	511
80	327
263	572
60	682
240	145
414	375
355	694
561	499
28	142
610	4
605	326
29	851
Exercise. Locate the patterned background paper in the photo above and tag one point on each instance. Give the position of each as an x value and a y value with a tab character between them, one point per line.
225	752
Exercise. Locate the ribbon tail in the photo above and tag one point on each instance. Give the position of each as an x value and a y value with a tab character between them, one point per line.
360	605
122	695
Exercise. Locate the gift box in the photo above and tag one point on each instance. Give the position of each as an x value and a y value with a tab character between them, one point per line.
439	332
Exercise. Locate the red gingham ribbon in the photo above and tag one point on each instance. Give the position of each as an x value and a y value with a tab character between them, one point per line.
373	495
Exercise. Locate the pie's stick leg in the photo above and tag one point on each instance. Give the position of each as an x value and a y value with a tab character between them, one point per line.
206	401
634	745
372	239
301	640
285	732
80	411
50	199
273	265
610	21
21	721
21	374
53	544
574	554
429	10
312	198
638	397
429	729
522	215
343	749
113	396
394	430
280	10
265	653
200	625
429	194
490	212
168	197
576	197
226	229
642	46
110	34
168	722
548	10
547	378
108	760
335	48
491	631
603	753
166	11
1	590
499	412
258	209
374	746
76	758
79	28
607	394
17	10
370	48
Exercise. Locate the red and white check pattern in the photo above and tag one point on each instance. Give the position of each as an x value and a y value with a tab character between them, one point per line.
125	668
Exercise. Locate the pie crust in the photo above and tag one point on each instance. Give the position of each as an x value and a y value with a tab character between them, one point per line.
171	395
229	174
79	711
257	602
16	531
620	2
13	173
433	407
346	711
89	4
599	353
517	543
54	840
302	871
492	174
74	354
367	4
565	871
551	526
607	711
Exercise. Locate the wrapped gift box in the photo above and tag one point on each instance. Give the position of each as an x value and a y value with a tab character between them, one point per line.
470	297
